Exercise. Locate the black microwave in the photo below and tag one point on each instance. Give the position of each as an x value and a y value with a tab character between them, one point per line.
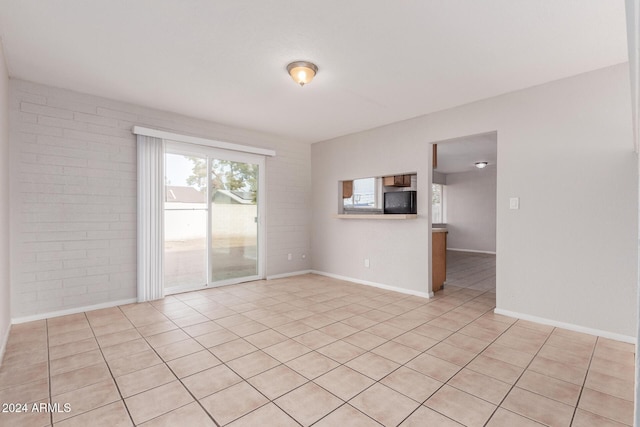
400	202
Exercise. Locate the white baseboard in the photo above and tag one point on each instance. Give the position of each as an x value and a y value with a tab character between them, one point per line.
471	250
3	343
569	326
375	284
40	316
290	274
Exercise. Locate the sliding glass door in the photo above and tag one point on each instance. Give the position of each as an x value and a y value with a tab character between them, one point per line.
212	217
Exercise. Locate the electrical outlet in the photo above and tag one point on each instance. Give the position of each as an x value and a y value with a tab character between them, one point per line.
366	262
514	203
289	257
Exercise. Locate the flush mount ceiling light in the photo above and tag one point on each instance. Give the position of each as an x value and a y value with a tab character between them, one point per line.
481	165
302	72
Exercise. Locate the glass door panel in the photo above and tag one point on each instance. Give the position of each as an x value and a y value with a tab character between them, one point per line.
234	219
185	219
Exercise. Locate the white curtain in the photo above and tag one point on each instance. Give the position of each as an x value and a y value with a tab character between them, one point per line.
150	218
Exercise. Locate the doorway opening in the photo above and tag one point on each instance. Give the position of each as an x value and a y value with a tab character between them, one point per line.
464	210
212	208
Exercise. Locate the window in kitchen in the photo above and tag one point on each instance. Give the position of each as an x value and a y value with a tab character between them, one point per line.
437	204
365	195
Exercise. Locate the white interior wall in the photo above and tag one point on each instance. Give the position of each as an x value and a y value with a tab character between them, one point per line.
5	312
471	210
568	256
74	196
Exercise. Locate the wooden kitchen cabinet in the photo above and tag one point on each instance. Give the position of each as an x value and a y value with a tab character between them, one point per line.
397	181
347	189
438	259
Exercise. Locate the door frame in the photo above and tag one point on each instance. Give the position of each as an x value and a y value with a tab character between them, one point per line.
209	152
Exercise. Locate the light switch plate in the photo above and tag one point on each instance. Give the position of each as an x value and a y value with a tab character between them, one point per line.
514	203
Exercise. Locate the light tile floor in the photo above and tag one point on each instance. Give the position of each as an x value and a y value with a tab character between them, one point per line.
311	350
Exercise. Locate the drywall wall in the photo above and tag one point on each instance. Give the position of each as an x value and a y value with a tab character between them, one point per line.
569	254
5	312
471	210
74	196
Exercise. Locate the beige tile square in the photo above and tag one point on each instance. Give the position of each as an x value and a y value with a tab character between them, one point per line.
72	336
428	417
157	401
509	355
309	403
252	364
504	418
607	406
125	349
314	339
317	321
338	330
432	332
583	418
359	322
411	383
385	405
75	361
277	381
396	352
268	415
28	392
248	328
365	340
610	385
165	338
145	379
286	350
112	415
179	349
558	370
341	351
550	387
233	402
385	331
202	328
415	341
502	371
538	408
565	356
86	399
157	328
134	362
79	378
293	329
193	363
614	369
344	382
118	337
312	365
188	415
212	339
16	375
266	338
479	385
75	347
346	416
211	381
232	349
372	365
434	367
460	406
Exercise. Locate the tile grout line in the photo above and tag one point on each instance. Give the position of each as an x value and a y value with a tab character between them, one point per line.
46	324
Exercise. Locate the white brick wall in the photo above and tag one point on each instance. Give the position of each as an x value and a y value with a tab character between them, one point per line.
73	196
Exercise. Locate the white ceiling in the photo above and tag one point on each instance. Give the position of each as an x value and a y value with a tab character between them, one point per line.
461	154
380	61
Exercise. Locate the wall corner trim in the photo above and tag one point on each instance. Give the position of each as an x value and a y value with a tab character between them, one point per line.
375	284
48	315
569	326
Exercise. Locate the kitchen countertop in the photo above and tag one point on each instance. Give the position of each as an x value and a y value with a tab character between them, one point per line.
439	230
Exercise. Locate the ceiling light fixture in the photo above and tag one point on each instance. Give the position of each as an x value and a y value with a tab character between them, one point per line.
302	72
481	165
